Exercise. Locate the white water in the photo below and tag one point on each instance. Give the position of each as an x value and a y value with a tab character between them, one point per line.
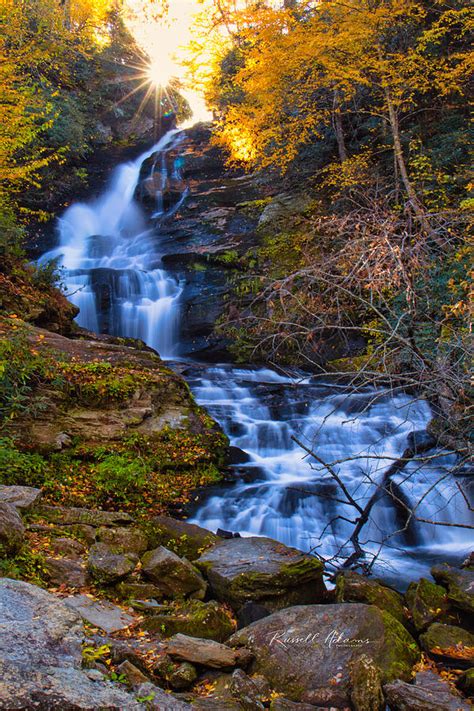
111	259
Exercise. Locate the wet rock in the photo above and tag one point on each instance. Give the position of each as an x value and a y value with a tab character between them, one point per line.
12	530
427	602
68	547
175	576
460	585
207	620
63	571
183	677
252	692
261	570
40	655
185	539
21	497
227	534
128	590
466	682
452	643
107	567
155	699
420	441
132	674
123	540
306	652
100	613
428	692
206	652
250	612
352	587
90	517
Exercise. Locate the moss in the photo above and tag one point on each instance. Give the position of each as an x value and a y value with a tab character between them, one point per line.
400	651
427	602
196	619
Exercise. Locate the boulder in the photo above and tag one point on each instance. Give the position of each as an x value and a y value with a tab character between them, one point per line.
208	620
100	613
366	685
306	652
460	585
283	704
428	693
12	530
427	602
41	656
185	539
206	652
123	540
250	612
66	516
155	699
183	677
106	566
63	571
132	674
284	206
131	590
352	587
466	682
175	576
21	497
453	644
252	692
262	570
68	547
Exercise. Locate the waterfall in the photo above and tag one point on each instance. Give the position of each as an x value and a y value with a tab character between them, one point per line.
110	260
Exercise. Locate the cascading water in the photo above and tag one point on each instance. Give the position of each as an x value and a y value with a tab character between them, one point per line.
112	272
111	264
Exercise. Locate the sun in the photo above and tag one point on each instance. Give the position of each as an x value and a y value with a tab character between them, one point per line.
161	71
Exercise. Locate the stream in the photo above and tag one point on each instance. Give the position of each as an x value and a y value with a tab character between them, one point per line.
110	252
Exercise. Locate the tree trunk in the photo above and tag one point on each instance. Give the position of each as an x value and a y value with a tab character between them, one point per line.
339	131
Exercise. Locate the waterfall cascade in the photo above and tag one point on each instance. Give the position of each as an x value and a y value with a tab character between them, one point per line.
110	254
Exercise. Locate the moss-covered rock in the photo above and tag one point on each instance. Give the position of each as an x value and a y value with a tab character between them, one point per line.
183	538
175	576
427	602
306	652
352	587
136	590
466	682
207	620
452	643
366	685
106	566
124	540
262	570
460	585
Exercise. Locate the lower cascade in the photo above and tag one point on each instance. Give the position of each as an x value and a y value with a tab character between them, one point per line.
109	251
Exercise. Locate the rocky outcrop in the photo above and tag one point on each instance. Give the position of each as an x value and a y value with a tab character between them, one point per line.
306	652
261	570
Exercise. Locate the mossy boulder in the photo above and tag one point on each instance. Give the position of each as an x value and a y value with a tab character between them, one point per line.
460	585
208	620
175	576
352	587
307	652
452	643
137	590
427	693
366	685
427	602
466	682
183	538
106	566
262	570
124	540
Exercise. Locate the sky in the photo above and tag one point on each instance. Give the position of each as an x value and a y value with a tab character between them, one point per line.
162	41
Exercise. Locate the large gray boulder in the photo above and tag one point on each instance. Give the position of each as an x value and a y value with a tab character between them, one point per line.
175	576
21	497
309	652
40	656
262	570
428	693
12	530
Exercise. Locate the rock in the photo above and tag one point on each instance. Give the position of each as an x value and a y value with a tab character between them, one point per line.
452	643
185	539
366	685
428	693
132	650
21	497
68	547
133	675
427	602
12	530
261	570
306	652
175	576
250	612
90	517
283	704
227	534
420	441
252	692
138	591
183	677
41	655
352	587
123	540
284	206
155	699
107	567
468	562
207	620
206	652
466	682
100	613
62	571
460	584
